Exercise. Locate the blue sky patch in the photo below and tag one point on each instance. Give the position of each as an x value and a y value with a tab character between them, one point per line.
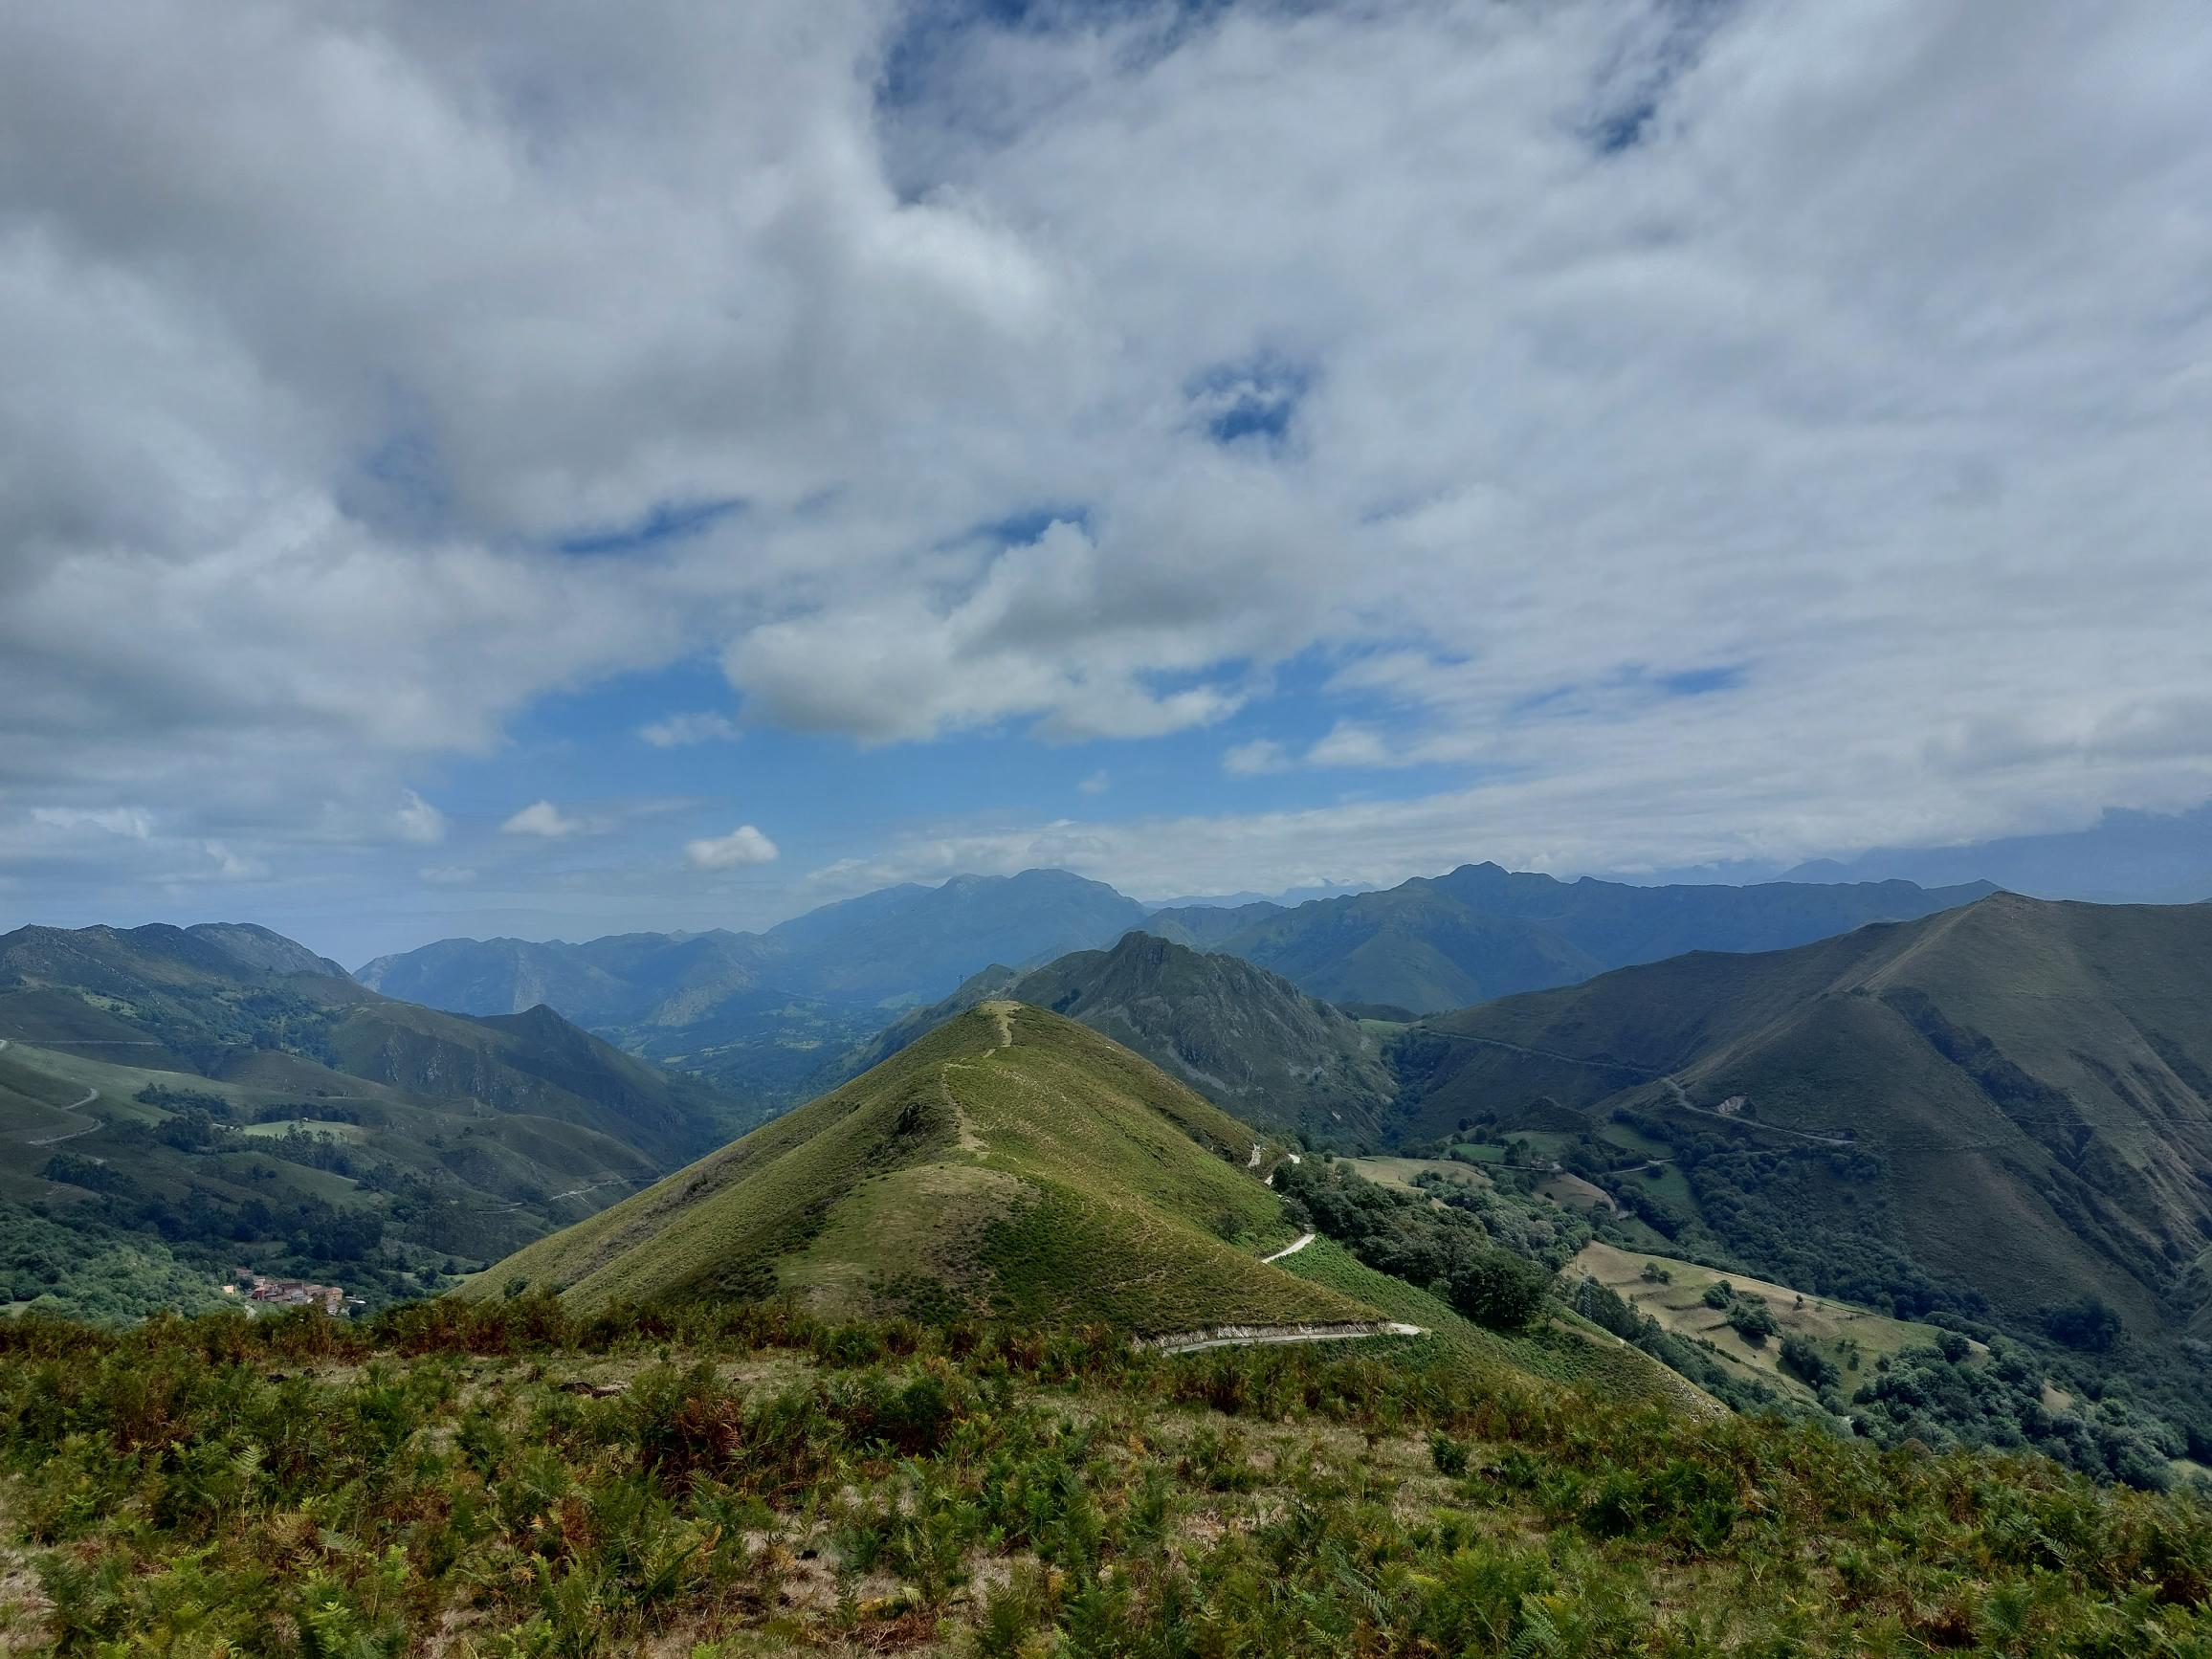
1254	400
663	521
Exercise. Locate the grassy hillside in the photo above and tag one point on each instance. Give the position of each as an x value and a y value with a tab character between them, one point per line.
1012	1161
1563	1349
1482	932
1247	1039
1852	1340
510	1479
1988	1112
192	1099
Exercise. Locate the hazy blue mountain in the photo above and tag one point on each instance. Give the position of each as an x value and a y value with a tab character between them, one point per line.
922	941
1204	926
1483	932
2125	857
764	1013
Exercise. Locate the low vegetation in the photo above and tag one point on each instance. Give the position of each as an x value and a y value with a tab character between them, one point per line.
511	1478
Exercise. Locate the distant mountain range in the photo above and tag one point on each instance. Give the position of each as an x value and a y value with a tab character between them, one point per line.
773	1014
1482	932
896	945
220	1089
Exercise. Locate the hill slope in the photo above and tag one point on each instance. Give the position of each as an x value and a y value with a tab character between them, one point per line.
1011	1161
223	1091
1247	1039
1482	932
2006	1104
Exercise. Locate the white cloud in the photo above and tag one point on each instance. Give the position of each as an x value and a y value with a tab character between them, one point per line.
1096	784
1031	632
419	822
1252	760
231	866
543	820
678	731
306	394
446	876
743	845
1349	744
132	822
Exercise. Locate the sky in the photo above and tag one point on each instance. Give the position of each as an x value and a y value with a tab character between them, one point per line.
677	464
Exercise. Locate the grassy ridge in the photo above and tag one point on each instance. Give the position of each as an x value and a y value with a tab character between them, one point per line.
1011	1161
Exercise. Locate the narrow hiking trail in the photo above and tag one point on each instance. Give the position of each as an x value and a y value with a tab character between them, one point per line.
1273	1336
1292	1249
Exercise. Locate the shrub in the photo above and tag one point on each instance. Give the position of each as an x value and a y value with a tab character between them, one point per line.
1807	1364
1752	1319
1499	1291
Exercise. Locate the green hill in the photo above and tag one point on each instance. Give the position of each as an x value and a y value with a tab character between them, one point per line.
1247	1039
1482	932
1013	1161
218	1096
1991	1112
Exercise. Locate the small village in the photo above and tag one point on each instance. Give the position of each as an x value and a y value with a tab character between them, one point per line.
258	1292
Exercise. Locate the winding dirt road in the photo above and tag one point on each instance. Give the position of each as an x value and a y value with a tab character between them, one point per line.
90	1095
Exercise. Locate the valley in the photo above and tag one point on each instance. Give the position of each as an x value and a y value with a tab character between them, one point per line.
282	1118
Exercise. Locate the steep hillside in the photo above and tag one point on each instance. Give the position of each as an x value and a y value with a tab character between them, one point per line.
1994	1109
196	1091
1011	1161
1247	1039
1482	932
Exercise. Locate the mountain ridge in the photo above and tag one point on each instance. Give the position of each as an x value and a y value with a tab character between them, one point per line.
1989	1110
1248	1040
1011	1161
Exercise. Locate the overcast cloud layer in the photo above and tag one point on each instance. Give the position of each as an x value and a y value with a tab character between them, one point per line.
1600	437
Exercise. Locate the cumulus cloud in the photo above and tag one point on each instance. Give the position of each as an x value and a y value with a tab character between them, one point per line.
679	731
543	820
1096	784
742	846
419	820
1060	628
1749	424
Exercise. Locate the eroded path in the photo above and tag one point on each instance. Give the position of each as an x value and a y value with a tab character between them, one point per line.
1270	1336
